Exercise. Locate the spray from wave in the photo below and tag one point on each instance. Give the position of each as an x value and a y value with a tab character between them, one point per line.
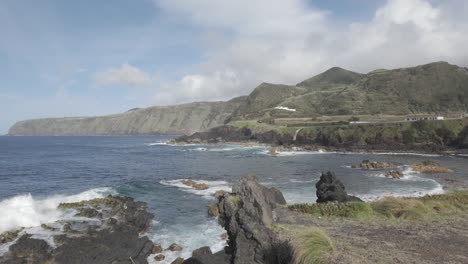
26	211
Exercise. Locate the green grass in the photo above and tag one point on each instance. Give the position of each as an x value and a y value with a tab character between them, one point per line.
357	210
312	246
392	207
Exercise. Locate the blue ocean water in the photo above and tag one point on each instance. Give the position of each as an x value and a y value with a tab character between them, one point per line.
37	170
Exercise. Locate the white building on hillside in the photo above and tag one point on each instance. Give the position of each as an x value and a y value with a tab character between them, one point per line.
418	118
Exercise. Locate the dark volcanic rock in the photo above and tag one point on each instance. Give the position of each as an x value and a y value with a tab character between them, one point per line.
201	252
27	250
246	215
330	189
114	239
219	134
217	258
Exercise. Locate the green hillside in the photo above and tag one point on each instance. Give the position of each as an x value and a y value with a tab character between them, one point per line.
432	88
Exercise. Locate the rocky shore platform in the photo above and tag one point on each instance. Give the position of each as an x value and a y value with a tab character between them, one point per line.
104	230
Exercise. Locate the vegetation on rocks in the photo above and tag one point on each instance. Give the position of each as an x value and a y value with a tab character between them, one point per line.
392	207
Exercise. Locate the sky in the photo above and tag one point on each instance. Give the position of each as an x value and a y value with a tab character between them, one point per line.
85	58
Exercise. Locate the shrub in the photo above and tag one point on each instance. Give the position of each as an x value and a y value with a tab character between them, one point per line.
312	246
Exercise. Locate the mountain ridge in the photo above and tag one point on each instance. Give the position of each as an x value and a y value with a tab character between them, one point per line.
437	87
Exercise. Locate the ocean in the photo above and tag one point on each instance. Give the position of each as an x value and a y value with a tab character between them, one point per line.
37	173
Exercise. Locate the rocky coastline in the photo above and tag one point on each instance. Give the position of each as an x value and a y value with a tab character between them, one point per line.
104	230
285	140
261	228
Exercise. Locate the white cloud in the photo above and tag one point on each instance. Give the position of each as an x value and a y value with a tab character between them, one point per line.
288	41
125	75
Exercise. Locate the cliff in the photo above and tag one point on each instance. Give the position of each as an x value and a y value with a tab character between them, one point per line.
177	119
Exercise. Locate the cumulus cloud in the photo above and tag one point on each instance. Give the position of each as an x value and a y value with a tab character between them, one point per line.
126	75
288	41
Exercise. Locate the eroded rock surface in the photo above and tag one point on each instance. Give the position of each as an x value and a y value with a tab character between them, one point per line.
247	214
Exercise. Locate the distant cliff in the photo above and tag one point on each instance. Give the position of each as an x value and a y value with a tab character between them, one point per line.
177	119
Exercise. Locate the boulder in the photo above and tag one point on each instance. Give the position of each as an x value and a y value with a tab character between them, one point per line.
156	249
330	189
201	252
174	247
178	260
394	174
190	183
213	210
219	193
373	165
159	257
429	166
200	186
28	250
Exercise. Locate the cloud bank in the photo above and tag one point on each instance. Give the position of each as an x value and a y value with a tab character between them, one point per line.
288	41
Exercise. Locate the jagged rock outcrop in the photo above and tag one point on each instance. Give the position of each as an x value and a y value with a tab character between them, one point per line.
247	214
330	189
114	236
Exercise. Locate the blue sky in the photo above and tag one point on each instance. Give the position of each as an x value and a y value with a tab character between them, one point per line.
81	58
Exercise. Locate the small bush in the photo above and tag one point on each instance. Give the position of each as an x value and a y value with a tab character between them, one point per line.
312	246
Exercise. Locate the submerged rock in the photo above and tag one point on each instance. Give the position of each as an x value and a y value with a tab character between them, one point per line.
330	189
175	247
395	174
195	185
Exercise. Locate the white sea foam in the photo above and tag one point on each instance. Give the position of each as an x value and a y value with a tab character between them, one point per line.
408	176
403	153
190	238
295	153
27	211
157	144
230	147
213	186
438	189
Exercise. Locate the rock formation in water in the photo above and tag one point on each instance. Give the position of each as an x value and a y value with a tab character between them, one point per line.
247	214
330	189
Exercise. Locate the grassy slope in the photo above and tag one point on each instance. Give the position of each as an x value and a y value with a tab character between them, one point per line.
430	206
432	88
429	229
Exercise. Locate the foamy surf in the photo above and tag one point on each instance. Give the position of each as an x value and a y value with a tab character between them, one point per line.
190	238
213	186
27	211
294	153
